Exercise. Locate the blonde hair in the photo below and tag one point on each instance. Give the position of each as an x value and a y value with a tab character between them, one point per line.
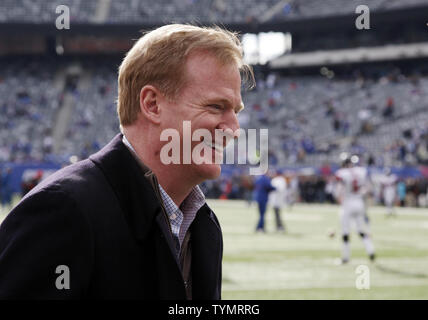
158	58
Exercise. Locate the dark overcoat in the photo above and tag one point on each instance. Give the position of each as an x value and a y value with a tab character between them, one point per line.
100	224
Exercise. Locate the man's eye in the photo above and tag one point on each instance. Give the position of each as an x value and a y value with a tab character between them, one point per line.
216	106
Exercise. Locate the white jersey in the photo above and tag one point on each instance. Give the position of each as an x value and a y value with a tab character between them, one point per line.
353	186
388	183
292	190
353	183
277	197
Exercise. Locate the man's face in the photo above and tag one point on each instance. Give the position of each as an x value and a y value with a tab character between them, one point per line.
210	99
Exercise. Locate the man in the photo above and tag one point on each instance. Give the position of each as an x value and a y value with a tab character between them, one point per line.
123	223
401	191
352	189
247	184
292	191
389	185
277	198
262	188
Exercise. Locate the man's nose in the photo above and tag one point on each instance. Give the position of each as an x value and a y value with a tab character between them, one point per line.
230	122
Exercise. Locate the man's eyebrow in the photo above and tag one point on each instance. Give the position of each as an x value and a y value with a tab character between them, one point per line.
237	108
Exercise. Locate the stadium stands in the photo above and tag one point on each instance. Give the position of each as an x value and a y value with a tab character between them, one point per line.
311	119
204	11
31	95
58	100
28	11
314	118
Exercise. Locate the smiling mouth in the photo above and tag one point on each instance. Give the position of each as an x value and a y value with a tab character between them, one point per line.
215	147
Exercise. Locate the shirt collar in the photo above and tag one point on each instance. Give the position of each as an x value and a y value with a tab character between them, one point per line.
194	200
128	144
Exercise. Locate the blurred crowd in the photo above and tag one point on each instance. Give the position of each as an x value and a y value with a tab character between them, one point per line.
206	11
316	188
381	117
29	101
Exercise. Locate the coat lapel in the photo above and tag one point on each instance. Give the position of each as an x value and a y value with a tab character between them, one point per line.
207	252
135	193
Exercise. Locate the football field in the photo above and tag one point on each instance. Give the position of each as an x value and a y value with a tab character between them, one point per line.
302	263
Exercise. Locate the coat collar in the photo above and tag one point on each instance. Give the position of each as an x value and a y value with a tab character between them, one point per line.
133	190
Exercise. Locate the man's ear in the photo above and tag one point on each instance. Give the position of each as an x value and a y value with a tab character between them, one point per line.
149	103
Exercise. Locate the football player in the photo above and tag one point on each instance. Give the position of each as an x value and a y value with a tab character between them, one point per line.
389	186
353	186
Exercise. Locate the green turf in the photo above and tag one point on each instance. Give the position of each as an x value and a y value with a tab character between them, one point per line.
301	264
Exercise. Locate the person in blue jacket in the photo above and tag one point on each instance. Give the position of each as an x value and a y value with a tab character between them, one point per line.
262	188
